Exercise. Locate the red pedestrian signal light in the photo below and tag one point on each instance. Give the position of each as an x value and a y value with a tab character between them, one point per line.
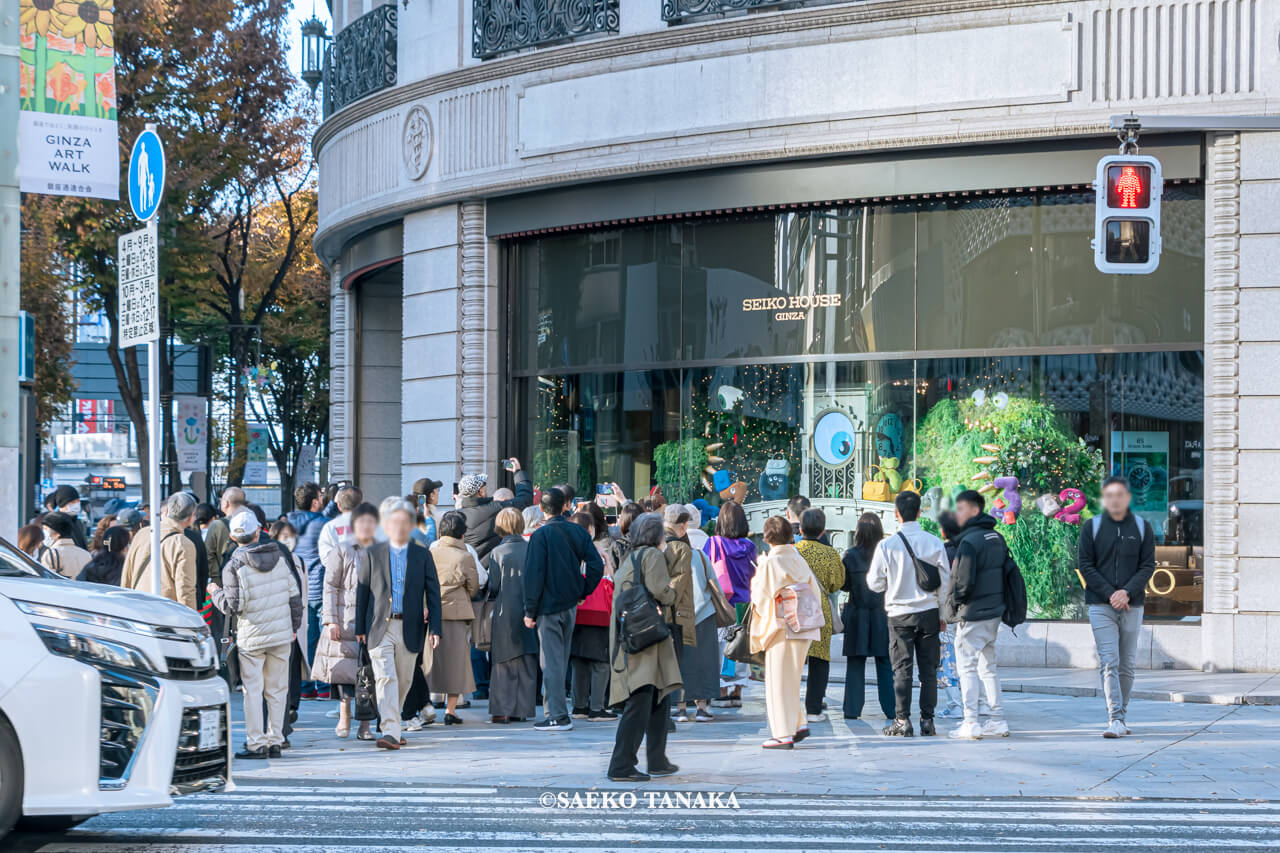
1126	234
1129	186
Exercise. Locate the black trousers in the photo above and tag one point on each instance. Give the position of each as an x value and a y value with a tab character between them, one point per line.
815	687
855	686
643	718
915	636
419	695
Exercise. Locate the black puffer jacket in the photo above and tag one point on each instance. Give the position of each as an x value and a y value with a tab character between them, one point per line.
481	512
977	576
1121	556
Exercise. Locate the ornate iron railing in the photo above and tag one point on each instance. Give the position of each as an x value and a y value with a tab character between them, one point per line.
362	59
500	26
678	10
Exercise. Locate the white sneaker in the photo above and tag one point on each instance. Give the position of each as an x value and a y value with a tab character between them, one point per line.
815	718
416	724
953	711
966	731
995	728
1116	729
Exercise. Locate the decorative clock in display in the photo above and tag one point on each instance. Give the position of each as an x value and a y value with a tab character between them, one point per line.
833	438
1140	479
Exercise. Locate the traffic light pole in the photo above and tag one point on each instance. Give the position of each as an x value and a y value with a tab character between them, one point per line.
10	275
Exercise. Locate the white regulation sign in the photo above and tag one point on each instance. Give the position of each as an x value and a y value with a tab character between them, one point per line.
139	297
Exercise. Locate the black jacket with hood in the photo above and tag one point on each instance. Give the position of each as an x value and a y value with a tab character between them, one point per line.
977	575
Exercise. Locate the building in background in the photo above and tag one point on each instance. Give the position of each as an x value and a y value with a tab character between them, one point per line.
729	247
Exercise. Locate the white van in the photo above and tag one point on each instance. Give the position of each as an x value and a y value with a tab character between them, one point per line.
110	699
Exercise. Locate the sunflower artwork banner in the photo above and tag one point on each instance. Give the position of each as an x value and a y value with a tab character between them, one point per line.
67	138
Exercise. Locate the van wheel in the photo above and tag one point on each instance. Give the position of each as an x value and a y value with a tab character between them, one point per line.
51	822
10	777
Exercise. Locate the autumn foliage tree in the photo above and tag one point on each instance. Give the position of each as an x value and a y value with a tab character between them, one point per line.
44	298
213	74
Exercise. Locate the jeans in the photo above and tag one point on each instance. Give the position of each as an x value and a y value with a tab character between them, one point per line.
555	635
643	718
915	636
815	688
855	686
313	638
480	671
976	663
1116	632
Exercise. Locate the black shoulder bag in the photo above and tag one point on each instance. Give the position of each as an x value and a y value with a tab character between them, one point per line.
638	618
927	576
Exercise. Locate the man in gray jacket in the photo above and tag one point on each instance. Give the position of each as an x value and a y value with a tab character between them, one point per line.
258	589
975	603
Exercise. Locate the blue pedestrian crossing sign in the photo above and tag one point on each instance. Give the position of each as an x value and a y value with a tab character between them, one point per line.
146	175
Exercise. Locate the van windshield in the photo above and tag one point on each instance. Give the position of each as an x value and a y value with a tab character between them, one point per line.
15	564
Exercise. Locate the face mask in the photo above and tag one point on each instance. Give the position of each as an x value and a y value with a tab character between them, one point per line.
49	538
288	542
72	508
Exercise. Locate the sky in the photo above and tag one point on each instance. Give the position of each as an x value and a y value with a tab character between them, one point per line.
302	11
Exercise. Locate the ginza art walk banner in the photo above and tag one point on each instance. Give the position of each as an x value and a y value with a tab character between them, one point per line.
67	141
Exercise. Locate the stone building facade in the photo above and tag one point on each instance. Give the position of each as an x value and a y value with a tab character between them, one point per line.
458	136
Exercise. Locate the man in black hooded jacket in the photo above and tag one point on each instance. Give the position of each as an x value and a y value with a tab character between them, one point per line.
974	605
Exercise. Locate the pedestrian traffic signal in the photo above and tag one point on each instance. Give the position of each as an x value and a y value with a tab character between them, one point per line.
1127	214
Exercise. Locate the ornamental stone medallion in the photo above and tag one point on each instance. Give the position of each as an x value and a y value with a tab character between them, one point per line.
418	140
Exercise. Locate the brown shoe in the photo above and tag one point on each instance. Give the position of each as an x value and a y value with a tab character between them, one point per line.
388	742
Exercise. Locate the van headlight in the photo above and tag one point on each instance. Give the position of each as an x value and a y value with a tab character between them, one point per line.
95	651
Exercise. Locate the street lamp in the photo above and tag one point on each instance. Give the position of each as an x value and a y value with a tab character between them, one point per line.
314	39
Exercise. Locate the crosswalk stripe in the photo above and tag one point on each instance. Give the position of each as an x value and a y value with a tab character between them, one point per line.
530	807
489	796
737	840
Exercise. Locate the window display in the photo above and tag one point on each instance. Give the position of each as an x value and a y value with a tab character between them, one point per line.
824	353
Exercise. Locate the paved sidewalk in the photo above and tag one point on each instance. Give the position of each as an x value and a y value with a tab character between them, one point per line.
1176	750
1165	685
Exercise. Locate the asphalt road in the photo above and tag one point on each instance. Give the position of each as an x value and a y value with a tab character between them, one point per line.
365	817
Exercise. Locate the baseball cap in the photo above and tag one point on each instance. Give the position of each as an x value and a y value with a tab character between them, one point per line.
129	518
426	486
244	523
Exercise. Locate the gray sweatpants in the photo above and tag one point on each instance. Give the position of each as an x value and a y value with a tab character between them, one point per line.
555	636
1116	632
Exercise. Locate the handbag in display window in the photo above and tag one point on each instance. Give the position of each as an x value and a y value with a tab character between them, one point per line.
876	486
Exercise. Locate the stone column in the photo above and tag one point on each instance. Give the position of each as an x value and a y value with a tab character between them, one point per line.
477	357
341	380
1254	596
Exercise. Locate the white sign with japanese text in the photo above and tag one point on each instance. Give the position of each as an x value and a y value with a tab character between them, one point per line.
139	297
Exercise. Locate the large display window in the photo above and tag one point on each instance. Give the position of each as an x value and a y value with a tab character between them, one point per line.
848	354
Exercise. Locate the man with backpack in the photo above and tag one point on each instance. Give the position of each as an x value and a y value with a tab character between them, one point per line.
911	569
1116	559
975	604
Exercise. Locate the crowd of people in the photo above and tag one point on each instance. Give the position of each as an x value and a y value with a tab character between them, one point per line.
601	610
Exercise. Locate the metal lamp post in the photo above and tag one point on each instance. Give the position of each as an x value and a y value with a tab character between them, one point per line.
315	38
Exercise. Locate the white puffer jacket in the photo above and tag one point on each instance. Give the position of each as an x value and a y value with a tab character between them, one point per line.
261	592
